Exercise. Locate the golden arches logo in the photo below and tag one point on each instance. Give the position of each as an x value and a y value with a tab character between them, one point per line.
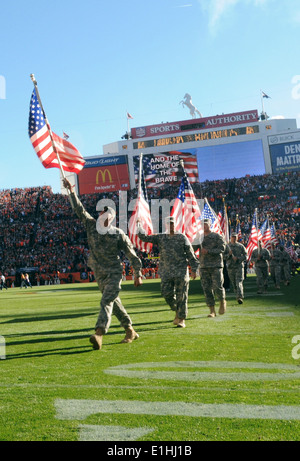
103	176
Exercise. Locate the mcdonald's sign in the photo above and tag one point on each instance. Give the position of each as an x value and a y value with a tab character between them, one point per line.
103	178
103	174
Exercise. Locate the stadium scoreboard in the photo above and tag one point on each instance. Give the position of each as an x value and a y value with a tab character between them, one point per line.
218	147
205	136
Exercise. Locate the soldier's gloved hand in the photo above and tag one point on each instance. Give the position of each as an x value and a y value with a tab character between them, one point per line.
138	281
139	228
67	184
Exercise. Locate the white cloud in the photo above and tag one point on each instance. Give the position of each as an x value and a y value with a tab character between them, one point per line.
216	9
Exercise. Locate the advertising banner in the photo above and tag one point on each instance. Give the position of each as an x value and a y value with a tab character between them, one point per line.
285	157
215	121
104	175
164	168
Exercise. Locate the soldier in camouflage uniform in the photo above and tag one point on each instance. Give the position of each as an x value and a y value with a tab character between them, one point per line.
211	268
235	255
275	265
176	253
260	257
105	244
285	266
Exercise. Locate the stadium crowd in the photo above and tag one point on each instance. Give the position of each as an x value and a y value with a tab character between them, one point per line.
38	228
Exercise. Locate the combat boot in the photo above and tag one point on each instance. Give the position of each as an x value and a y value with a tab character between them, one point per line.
240	300
181	323
130	336
176	320
212	311
96	339
222	308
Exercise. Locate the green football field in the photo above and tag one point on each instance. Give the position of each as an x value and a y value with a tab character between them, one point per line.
235	377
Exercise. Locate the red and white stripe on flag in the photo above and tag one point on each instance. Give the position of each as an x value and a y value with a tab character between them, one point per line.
223	225
253	242
70	158
142	213
186	211
266	238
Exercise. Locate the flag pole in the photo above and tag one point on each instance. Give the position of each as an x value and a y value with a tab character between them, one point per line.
48	125
256	222
140	171
226	233
140	181
127	124
262	101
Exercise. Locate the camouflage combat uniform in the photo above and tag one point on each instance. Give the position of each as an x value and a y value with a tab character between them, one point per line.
105	261
235	268
211	267
260	259
176	253
285	266
275	266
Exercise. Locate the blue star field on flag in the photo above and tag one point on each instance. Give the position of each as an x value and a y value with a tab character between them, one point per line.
264	227
208	214
184	186
36	117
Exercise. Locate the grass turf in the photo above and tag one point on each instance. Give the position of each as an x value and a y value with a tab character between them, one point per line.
241	361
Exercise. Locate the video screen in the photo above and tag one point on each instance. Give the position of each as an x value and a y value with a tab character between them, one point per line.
233	160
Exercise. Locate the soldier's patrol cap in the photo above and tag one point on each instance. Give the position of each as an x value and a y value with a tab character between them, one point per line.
234	234
170	219
100	207
207	221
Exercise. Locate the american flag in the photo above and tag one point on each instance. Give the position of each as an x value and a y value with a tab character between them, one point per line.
254	236
273	238
186	210
238	230
141	212
160	171
223	221
265	233
291	251
40	136
264	95
208	213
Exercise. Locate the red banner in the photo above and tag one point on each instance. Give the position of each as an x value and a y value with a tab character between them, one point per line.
106	178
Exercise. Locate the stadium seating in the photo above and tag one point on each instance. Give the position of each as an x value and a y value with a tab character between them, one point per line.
39	230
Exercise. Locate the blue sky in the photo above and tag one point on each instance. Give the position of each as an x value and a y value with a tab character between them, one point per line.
96	60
